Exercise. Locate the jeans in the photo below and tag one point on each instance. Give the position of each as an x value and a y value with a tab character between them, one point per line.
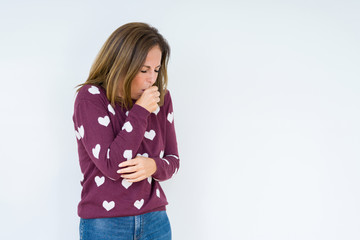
148	226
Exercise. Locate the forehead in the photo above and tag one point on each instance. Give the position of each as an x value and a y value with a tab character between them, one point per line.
153	58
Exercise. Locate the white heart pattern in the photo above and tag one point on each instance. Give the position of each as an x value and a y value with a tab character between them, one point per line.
104	120
94	90
126	184
158	193
77	135
108	205
139	203
111	109
161	153
127	154
156	111
143	155
96	151
175	172
127	113
170	117
108	153
149	179
170	155
127	126
99	180
81	131
166	161
150	134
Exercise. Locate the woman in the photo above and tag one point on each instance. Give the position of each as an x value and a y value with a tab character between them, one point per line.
124	125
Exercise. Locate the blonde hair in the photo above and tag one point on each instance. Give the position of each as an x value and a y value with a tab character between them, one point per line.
121	58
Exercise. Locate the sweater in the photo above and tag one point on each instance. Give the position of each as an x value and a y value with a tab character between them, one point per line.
107	136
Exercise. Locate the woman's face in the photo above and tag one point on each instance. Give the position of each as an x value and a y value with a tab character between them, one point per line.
148	73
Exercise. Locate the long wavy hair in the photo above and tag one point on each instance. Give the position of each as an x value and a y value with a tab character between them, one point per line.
121	58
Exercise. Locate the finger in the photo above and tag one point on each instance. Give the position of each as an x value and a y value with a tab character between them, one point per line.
129	169
130	162
131	176
137	179
153	88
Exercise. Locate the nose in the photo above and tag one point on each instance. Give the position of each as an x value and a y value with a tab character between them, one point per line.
152	77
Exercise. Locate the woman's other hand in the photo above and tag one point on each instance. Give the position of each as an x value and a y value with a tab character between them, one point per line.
137	169
149	99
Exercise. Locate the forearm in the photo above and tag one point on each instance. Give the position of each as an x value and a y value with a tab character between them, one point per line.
106	149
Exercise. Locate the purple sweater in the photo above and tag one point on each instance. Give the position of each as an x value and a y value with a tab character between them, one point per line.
107	136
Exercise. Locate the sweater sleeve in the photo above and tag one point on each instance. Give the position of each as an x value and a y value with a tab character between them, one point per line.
106	148
168	162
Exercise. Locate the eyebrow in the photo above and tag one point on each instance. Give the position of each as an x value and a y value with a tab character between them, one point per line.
149	66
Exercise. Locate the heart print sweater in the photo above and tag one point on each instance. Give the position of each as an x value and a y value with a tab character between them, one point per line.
107	136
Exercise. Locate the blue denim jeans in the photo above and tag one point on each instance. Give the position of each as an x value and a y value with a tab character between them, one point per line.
148	226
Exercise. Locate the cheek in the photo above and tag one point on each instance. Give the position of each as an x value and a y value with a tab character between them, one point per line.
136	82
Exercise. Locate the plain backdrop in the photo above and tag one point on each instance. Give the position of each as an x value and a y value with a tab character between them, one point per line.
266	98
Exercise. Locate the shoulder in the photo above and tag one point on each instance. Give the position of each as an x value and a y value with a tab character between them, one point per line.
91	93
167	97
168	101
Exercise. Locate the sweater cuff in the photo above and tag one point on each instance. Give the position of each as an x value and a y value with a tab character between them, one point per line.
159	173
140	111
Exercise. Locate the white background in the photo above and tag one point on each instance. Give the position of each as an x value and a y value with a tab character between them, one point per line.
266	97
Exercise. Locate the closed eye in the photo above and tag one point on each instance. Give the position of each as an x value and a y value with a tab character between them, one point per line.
146	71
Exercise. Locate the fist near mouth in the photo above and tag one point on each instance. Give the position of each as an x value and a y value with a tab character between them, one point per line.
149	99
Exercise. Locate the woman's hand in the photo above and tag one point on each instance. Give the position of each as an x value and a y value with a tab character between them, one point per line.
149	99
137	169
